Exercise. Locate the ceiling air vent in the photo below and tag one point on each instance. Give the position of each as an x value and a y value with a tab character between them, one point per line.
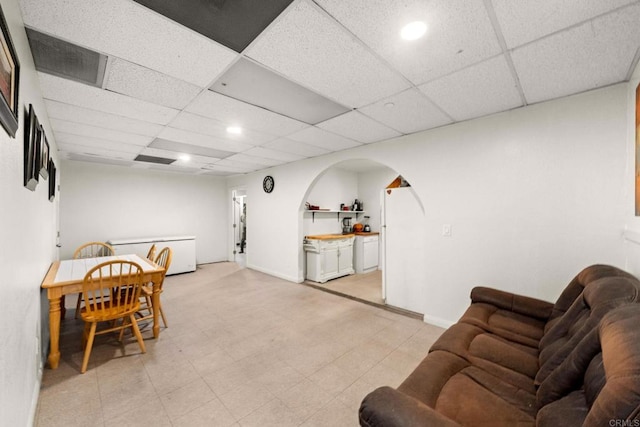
67	60
152	159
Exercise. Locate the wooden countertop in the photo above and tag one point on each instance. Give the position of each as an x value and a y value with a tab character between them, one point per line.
330	236
366	233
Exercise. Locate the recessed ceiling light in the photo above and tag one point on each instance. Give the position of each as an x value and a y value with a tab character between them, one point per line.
413	30
236	130
184	157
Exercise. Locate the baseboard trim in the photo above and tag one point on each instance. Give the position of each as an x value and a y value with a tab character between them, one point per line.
437	321
274	274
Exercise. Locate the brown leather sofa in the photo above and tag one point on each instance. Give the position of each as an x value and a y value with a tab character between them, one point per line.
517	361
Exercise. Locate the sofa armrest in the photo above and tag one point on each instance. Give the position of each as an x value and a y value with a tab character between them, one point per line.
527	306
388	407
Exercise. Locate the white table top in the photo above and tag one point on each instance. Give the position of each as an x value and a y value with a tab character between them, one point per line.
75	269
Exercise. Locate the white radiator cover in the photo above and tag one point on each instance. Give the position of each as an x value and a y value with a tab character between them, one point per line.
183	249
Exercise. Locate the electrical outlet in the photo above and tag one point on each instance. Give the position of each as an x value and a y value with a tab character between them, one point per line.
446	230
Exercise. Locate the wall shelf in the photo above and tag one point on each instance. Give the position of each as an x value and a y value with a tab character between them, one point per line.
337	212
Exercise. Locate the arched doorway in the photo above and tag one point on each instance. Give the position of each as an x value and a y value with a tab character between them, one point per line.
366	180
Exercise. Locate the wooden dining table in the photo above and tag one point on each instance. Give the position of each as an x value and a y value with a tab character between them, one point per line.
66	277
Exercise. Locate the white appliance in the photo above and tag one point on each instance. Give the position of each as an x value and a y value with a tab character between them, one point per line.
328	259
183	250
365	253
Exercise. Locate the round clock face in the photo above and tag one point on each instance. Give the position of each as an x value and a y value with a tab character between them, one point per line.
267	184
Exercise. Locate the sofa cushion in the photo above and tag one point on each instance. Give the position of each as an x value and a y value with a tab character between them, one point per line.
600	297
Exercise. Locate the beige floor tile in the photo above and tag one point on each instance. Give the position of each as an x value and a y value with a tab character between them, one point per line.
242	349
246	398
334	413
212	413
187	398
273	414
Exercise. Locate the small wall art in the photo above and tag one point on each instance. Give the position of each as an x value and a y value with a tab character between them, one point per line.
44	154
32	135
52	180
9	79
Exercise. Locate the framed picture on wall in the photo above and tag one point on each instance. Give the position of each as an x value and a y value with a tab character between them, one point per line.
31	149
637	150
52	180
44	154
9	78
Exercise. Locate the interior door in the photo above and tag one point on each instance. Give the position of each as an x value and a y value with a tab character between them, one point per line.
403	250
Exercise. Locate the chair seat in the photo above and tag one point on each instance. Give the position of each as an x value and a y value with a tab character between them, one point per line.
109	312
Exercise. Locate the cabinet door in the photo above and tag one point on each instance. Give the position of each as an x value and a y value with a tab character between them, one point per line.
345	259
329	262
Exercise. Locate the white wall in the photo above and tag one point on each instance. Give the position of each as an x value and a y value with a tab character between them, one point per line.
533	196
334	187
103	202
27	232
370	186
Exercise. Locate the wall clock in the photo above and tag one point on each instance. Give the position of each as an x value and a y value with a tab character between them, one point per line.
267	184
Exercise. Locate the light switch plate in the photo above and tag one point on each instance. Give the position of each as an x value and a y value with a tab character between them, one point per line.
446	230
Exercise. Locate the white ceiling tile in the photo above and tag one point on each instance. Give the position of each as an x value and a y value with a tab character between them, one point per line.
148	85
179	135
200	124
459	33
358	127
237	113
96	132
296	147
407	112
268	153
240	166
72	113
130	31
323	139
96	151
522	21
486	88
81	95
241	157
225	169
595	54
77	140
311	49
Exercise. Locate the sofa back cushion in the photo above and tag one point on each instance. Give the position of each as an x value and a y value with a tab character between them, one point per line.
598	298
576	287
598	384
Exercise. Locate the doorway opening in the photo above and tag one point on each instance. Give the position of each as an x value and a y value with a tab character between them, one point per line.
367	181
239	226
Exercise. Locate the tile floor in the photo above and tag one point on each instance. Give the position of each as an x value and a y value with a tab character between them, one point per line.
367	286
242	349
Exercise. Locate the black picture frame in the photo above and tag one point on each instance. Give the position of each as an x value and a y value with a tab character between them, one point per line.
44	154
31	149
9	80
52	180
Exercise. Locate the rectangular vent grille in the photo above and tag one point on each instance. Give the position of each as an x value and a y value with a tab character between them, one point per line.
152	159
67	60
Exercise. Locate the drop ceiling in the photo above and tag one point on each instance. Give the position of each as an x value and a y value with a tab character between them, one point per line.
148	79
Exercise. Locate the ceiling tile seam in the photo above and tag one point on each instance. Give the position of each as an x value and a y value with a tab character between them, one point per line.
357	39
100	112
576	25
633	65
177	24
497	29
277	73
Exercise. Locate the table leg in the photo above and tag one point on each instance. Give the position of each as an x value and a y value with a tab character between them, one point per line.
155	302
54	331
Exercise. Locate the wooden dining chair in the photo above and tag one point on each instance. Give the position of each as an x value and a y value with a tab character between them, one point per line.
91	250
111	293
163	260
152	252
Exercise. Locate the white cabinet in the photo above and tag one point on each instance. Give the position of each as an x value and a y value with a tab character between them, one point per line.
328	259
366	253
